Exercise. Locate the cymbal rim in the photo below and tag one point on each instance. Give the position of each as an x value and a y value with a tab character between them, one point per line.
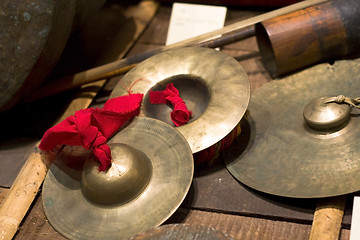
73	216
224	77
285	158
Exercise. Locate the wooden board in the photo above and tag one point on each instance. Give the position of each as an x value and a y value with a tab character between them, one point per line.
238	227
24	126
242	227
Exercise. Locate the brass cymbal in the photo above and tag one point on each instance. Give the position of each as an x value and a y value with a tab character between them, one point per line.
213	85
289	151
150	175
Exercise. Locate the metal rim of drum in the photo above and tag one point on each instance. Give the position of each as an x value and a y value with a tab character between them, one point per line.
75	217
217	73
285	157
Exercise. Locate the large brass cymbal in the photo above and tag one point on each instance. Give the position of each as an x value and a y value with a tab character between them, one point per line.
150	175
285	155
213	85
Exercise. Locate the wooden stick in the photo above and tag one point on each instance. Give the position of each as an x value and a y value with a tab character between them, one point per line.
27	183
23	192
245	23
123	65
228	38
328	218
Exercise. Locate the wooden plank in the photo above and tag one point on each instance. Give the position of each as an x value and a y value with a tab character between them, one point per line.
26	125
216	190
155	34
3	194
238	227
36	226
13	154
23	191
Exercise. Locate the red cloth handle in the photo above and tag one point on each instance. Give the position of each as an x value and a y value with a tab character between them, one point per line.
180	115
91	127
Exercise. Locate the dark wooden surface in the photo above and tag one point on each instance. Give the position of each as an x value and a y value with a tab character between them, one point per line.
215	199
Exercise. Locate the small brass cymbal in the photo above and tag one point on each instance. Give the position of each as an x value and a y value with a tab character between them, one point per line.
299	144
150	175
214	86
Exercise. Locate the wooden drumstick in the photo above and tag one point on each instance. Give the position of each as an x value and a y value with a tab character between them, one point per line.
230	32
328	218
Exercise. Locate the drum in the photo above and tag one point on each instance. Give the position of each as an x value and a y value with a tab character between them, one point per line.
34	34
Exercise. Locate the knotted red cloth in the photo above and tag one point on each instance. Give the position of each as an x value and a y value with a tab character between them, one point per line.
180	114
91	127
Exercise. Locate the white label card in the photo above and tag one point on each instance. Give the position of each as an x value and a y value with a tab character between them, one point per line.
355	220
191	20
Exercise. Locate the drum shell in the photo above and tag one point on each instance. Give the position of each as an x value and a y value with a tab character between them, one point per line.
321	33
33	37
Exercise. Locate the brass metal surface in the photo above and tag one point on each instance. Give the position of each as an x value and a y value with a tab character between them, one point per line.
321	115
128	176
150	175
282	155
213	85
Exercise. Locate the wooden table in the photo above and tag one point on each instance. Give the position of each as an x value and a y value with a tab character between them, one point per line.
215	199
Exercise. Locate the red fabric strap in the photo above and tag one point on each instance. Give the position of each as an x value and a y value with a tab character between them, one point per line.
180	114
91	127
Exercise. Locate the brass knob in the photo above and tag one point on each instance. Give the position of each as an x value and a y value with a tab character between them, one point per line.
127	177
323	115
